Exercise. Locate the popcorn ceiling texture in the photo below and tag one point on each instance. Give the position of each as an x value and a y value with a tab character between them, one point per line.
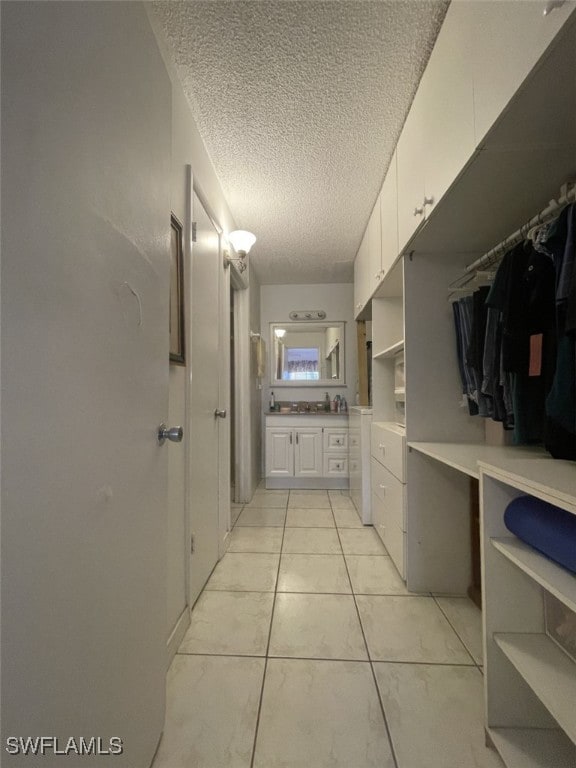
300	104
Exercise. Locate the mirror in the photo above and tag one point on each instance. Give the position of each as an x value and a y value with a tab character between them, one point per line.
307	354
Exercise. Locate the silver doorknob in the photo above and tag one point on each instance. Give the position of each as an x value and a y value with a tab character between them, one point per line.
174	434
221	414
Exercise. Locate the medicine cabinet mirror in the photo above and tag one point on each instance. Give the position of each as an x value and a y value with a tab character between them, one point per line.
307	354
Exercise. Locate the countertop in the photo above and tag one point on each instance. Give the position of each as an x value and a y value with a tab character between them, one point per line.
305	413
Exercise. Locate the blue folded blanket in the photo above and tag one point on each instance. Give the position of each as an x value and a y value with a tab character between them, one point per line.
547	528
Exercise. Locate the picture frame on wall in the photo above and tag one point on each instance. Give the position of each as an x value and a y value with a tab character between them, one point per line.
177	350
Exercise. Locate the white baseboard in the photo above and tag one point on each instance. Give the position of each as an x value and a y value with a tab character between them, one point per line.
177	635
310	483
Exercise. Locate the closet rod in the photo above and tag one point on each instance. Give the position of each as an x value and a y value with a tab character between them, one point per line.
567	195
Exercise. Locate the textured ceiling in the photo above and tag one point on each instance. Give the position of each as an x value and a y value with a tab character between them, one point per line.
300	104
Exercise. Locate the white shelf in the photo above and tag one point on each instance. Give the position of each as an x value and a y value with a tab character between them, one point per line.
553	480
555	579
533	747
465	457
549	672
390	351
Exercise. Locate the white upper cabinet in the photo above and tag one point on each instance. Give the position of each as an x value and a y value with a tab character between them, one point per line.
508	38
367	266
438	136
410	169
389	219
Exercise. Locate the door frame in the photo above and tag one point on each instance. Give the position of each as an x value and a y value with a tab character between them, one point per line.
223	381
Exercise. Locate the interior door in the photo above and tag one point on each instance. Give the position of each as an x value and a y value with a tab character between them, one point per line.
204	401
85	285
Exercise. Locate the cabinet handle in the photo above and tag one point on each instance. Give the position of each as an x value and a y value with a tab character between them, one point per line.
377	275
382	447
290	438
418	211
428	201
383	486
296	438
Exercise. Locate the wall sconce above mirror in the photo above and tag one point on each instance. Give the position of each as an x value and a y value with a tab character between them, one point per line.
307	354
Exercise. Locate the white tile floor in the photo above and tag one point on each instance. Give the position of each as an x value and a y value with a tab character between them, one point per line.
306	651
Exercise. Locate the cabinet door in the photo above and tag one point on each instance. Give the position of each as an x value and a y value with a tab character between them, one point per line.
367	267
410	165
447	103
308	453
361	271
374	236
389	219
279	452
509	38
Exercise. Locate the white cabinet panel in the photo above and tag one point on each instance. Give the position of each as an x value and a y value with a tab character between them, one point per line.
368	259
507	41
410	165
388	443
361	272
335	465
308	453
447	103
279	452
393	537
389	219
438	137
391	492
336	440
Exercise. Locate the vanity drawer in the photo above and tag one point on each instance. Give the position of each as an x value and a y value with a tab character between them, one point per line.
391	493
335	440
393	537
388	446
335	465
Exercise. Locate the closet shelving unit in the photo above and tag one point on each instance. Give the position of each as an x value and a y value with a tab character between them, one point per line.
530	680
492	173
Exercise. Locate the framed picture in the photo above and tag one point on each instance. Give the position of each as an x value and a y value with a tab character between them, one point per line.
176	293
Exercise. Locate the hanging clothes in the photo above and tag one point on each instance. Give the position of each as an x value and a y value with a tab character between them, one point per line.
523	294
560	429
462	324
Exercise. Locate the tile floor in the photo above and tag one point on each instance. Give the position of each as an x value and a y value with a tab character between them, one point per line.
306	650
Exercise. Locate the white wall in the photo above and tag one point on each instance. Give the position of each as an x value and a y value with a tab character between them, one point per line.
337	300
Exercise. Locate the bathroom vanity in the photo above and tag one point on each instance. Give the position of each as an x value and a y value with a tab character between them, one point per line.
307	450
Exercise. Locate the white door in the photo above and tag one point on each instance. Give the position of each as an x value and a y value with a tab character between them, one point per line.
85	281
308	453
204	401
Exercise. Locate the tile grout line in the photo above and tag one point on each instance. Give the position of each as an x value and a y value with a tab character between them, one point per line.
386	726
455	632
266	657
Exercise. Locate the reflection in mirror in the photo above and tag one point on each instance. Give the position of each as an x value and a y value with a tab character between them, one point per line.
307	354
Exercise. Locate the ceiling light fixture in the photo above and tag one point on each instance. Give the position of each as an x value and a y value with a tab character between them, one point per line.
308	314
241	241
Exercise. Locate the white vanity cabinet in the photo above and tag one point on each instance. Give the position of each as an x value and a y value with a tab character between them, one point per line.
306	451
